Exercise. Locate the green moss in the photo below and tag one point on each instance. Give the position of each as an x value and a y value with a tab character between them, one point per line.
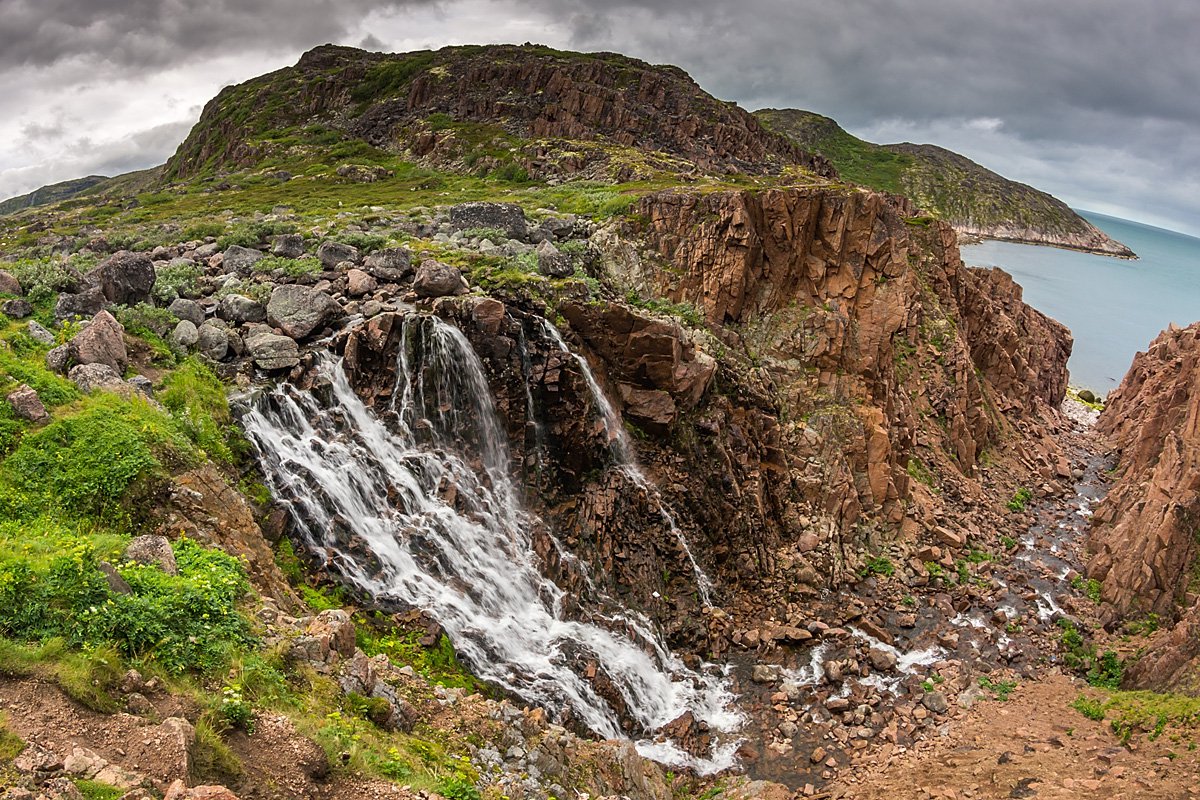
94	790
439	664
11	745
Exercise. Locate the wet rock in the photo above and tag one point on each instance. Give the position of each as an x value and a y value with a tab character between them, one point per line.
239	310
154	550
766	673
288	245
507	217
39	332
435	279
271	351
359	283
299	311
80	306
240	260
101	342
125	278
17	308
185	335
391	265
27	405
882	660
488	315
330	254
189	310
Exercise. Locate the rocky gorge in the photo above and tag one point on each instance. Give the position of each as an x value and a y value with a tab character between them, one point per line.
729	485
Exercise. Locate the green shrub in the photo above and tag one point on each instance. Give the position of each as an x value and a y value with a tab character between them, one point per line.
1092	709
176	280
235	710
878	565
92	464
202	230
1089	586
144	320
1019	500
294	267
196	399
365	242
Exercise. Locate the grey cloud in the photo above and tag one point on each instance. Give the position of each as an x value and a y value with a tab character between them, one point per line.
155	33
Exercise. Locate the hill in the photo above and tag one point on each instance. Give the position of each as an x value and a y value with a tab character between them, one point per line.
972	198
50	194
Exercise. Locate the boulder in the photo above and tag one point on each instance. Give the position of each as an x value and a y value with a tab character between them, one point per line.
154	550
507	217
143	385
435	279
288	245
125	278
185	335
78	306
240	309
39	332
299	311
271	351
9	284
212	342
92	377
27	405
187	309
330	254
101	342
391	265
552	263
488	315
17	308
58	358
358	283
240	259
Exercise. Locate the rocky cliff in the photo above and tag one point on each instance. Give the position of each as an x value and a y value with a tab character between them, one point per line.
975	200
1146	535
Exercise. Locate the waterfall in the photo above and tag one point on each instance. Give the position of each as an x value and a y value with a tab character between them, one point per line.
626	461
423	511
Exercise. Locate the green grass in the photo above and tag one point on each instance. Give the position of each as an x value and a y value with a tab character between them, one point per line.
438	664
11	745
1020	500
197	401
1089	586
1000	690
94	790
1142	712
878	565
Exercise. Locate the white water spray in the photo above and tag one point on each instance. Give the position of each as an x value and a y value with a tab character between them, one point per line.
626	461
404	514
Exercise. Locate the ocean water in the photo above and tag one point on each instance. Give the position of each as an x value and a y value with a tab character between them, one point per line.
1113	307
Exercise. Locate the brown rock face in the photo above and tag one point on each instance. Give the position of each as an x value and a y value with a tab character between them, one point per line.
1145	534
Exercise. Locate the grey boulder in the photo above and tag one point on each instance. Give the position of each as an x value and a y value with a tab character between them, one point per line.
391	265
299	311
17	308
288	245
155	550
185	335
331	254
101	342
507	217
187	309
213	342
125	278
77	306
271	351
240	309
240	259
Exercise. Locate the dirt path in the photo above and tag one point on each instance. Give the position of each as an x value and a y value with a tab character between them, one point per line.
1034	745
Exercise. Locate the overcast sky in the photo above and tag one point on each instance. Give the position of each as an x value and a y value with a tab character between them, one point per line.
1095	101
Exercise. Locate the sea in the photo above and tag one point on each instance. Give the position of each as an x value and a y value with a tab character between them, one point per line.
1113	307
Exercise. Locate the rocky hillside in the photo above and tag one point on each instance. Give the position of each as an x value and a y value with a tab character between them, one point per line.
493	108
50	194
975	200
1146	539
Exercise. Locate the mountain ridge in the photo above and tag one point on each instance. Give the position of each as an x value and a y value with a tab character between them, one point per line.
975	200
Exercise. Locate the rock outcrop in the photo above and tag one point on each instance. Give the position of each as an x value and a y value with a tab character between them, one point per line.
1145	532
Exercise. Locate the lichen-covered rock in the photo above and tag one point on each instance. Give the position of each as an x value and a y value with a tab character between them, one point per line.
506	217
240	260
185	335
102	341
9	283
435	279
92	377
212	342
330	254
288	245
16	308
553	263
271	351
27	405
125	278
151	549
240	309
186	309
300	311
80	305
390	265
39	332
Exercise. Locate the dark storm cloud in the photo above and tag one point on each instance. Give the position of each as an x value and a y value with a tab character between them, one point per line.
156	33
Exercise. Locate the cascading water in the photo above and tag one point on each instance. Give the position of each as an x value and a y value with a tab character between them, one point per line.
403	513
626	461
